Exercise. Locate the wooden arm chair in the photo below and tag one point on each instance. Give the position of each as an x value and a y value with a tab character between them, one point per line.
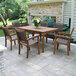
64	39
16	24
9	36
23	40
52	34
24	24
44	24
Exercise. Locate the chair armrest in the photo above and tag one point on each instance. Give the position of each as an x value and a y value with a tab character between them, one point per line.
12	31
62	33
60	36
13	34
27	35
33	37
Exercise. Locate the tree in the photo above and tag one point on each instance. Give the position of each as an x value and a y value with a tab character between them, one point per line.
3	20
12	9
2	1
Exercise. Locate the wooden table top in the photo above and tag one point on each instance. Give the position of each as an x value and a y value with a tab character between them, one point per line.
39	29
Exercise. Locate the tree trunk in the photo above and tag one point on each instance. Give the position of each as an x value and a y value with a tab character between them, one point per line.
3	20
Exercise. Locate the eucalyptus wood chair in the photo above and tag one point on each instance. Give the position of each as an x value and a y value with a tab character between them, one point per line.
9	36
44	24
23	40
16	24
24	24
52	34
64	39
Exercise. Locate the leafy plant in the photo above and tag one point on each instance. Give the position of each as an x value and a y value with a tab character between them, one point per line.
36	22
51	22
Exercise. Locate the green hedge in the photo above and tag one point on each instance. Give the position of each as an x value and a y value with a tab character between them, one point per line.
51	22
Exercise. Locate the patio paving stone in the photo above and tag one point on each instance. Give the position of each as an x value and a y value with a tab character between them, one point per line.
45	64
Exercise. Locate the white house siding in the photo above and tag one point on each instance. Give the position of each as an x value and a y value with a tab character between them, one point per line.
67	11
74	18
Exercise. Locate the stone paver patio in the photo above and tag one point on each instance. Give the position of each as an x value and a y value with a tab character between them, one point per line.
45	64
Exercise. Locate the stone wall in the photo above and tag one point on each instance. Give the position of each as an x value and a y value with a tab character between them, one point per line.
47	9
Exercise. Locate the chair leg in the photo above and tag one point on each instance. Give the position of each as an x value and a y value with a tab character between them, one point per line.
67	50
19	49
29	48
54	46
11	45
14	42
5	42
38	48
21	46
27	52
57	46
46	39
40	36
69	46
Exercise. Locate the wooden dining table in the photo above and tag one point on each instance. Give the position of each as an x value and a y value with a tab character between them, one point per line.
42	30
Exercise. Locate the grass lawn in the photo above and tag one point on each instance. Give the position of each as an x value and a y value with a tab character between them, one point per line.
1	23
1	33
9	23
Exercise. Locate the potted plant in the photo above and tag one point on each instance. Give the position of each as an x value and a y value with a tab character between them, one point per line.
36	22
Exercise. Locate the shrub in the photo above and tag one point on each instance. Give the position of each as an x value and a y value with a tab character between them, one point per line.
51	22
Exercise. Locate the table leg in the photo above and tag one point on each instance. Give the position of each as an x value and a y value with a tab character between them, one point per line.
43	42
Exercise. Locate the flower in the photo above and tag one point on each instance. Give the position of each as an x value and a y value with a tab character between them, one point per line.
36	22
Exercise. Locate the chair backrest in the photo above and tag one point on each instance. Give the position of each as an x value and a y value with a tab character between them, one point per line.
71	31
6	31
59	26
16	24
24	24
44	24
21	35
